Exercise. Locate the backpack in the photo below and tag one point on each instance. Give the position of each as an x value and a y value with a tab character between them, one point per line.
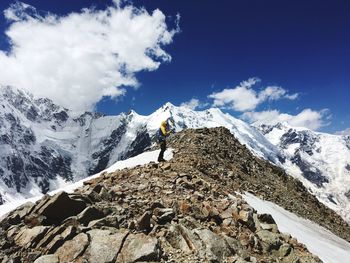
159	135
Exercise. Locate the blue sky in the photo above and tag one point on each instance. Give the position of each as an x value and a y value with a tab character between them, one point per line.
302	48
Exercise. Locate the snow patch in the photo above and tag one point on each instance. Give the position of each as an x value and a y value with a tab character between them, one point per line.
319	241
141	159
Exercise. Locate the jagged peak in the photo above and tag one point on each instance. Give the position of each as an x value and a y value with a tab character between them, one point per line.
167	107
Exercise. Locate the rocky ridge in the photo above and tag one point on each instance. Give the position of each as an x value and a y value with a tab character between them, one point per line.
185	210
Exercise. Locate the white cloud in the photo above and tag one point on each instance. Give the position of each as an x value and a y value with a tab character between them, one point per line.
244	97
344	132
193	104
307	118
77	59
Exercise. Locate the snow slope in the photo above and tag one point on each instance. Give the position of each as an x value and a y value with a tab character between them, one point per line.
140	159
321	242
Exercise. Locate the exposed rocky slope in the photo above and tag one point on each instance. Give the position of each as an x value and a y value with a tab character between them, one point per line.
185	210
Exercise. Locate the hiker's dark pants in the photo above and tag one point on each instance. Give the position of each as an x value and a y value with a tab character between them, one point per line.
162	149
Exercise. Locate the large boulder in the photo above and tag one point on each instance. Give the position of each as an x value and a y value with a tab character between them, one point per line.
216	248
104	245
270	240
29	237
72	249
140	247
209	246
57	240
61	206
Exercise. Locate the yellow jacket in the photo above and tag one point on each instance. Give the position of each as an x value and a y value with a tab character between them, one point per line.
163	128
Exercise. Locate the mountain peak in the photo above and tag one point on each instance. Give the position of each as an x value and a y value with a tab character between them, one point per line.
168	106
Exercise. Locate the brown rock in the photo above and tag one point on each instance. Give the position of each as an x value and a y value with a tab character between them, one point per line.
72	249
184	207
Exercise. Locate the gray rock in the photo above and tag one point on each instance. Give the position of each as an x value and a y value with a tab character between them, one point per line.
72	249
216	248
47	259
140	247
105	195
284	250
270	240
269	227
24	209
104	245
176	238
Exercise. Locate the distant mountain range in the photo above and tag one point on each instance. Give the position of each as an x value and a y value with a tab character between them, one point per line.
44	146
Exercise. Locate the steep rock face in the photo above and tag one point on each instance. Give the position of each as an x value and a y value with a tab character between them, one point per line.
179	211
319	160
44	146
24	158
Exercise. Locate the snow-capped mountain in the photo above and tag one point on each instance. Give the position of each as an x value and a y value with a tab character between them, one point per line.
44	146
320	160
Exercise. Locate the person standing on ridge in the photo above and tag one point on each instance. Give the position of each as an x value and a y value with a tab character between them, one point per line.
163	132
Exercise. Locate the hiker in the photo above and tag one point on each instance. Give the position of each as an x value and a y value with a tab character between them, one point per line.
163	132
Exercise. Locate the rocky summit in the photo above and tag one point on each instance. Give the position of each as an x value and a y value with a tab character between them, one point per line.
185	210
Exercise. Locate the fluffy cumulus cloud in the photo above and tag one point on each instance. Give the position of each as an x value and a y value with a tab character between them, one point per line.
193	104
244	97
307	118
79	58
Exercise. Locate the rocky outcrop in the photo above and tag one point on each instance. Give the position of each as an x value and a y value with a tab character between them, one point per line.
185	210
223	158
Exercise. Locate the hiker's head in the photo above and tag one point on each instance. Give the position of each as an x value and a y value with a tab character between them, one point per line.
164	123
